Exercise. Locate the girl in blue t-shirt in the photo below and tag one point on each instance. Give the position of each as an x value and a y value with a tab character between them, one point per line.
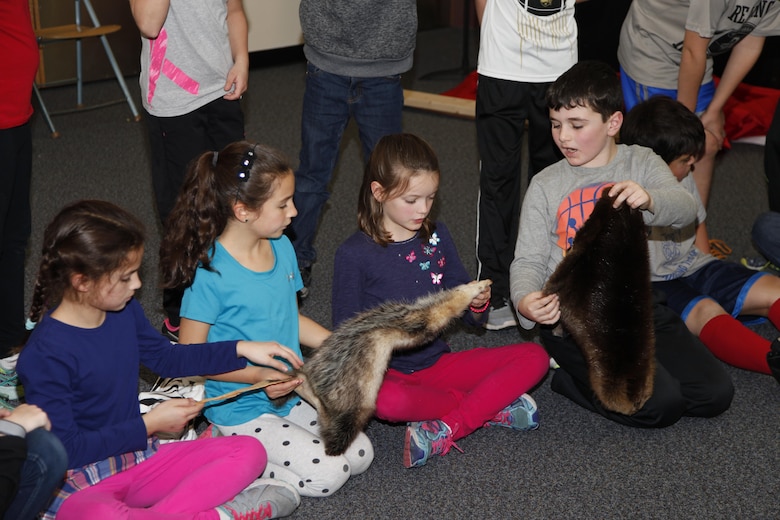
225	243
401	254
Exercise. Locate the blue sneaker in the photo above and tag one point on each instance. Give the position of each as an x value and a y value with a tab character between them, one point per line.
424	439
10	388
521	415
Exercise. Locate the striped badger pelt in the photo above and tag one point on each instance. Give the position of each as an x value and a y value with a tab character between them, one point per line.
605	294
343	376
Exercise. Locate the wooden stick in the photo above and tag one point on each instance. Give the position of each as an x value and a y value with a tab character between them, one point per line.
256	386
438	103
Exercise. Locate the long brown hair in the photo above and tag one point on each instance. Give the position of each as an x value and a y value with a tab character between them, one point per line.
216	181
395	160
89	237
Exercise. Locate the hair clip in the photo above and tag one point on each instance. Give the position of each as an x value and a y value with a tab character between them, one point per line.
246	164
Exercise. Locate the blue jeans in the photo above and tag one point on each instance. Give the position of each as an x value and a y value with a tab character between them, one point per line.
329	101
43	471
766	236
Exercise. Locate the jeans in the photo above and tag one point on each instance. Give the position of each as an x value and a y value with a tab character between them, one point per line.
329	101
766	235
43	471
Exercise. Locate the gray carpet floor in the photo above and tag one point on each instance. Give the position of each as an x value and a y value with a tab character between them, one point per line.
577	464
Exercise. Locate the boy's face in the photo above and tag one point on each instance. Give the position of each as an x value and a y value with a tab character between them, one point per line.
681	166
583	137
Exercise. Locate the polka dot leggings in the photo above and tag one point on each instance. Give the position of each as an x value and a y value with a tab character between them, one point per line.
296	452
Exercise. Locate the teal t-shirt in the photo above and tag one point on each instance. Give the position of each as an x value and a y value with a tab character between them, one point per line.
242	304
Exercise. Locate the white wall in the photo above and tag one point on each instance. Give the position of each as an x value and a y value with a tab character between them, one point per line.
273	24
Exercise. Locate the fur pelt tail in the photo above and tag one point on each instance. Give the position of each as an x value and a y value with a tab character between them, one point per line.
604	288
343	376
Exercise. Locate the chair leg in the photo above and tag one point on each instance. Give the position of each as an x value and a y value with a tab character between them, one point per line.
54	133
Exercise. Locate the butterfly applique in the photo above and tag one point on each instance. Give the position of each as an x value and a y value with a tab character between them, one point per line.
441	262
425	265
428	250
436	278
434	240
411	257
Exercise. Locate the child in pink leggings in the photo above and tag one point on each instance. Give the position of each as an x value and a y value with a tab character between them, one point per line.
401	254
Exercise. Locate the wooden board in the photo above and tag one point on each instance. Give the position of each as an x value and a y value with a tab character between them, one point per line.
442	104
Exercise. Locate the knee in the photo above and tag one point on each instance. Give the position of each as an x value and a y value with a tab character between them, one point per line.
248	450
360	454
49	454
716	396
702	313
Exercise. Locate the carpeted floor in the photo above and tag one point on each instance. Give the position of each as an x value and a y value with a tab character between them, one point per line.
577	465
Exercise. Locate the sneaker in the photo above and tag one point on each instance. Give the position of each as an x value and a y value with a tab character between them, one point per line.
264	498
773	359
426	438
306	277
758	263
501	317
169	331
10	388
719	249
5	404
521	415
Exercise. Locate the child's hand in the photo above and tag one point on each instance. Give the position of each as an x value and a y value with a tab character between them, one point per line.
266	352
28	416
236	82
171	416
632	194
277	390
542	309
481	299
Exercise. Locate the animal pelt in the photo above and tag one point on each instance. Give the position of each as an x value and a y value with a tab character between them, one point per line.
343	376
605	294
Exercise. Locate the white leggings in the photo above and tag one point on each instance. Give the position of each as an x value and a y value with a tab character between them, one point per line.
296	452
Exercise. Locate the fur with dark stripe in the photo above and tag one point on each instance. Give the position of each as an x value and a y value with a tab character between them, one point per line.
606	304
343	376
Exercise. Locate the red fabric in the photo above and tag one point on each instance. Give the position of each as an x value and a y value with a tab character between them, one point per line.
735	344
748	111
18	62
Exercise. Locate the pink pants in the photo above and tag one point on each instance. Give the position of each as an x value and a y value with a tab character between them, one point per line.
464	389
183	480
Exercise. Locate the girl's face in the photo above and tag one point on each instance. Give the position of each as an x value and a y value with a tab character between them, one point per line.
583	137
404	214
277	212
116	289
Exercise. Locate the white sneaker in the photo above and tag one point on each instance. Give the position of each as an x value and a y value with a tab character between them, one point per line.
501	317
264	498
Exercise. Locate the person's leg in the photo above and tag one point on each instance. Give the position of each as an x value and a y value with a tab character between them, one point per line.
325	115
766	231
541	146
772	163
501	112
183	480
15	226
464	389
43	471
225	123
377	105
295	455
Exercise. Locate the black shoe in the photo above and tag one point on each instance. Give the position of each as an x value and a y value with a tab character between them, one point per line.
169	331
306	277
773	359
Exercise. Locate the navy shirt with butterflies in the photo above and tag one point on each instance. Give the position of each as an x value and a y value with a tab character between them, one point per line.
367	274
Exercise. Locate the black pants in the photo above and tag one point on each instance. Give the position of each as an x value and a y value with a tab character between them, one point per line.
502	110
174	143
15	225
772	161
689	380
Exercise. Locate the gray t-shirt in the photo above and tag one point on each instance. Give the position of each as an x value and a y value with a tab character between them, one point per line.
187	65
561	197
359	38
651	38
673	251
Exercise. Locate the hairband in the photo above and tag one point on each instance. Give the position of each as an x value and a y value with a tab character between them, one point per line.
246	164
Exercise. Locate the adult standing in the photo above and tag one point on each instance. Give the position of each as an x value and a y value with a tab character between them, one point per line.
194	70
524	47
356	52
18	63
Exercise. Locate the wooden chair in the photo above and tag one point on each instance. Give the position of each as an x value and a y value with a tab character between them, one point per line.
77	32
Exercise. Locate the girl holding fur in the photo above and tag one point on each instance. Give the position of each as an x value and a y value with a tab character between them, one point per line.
81	367
225	242
399	253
